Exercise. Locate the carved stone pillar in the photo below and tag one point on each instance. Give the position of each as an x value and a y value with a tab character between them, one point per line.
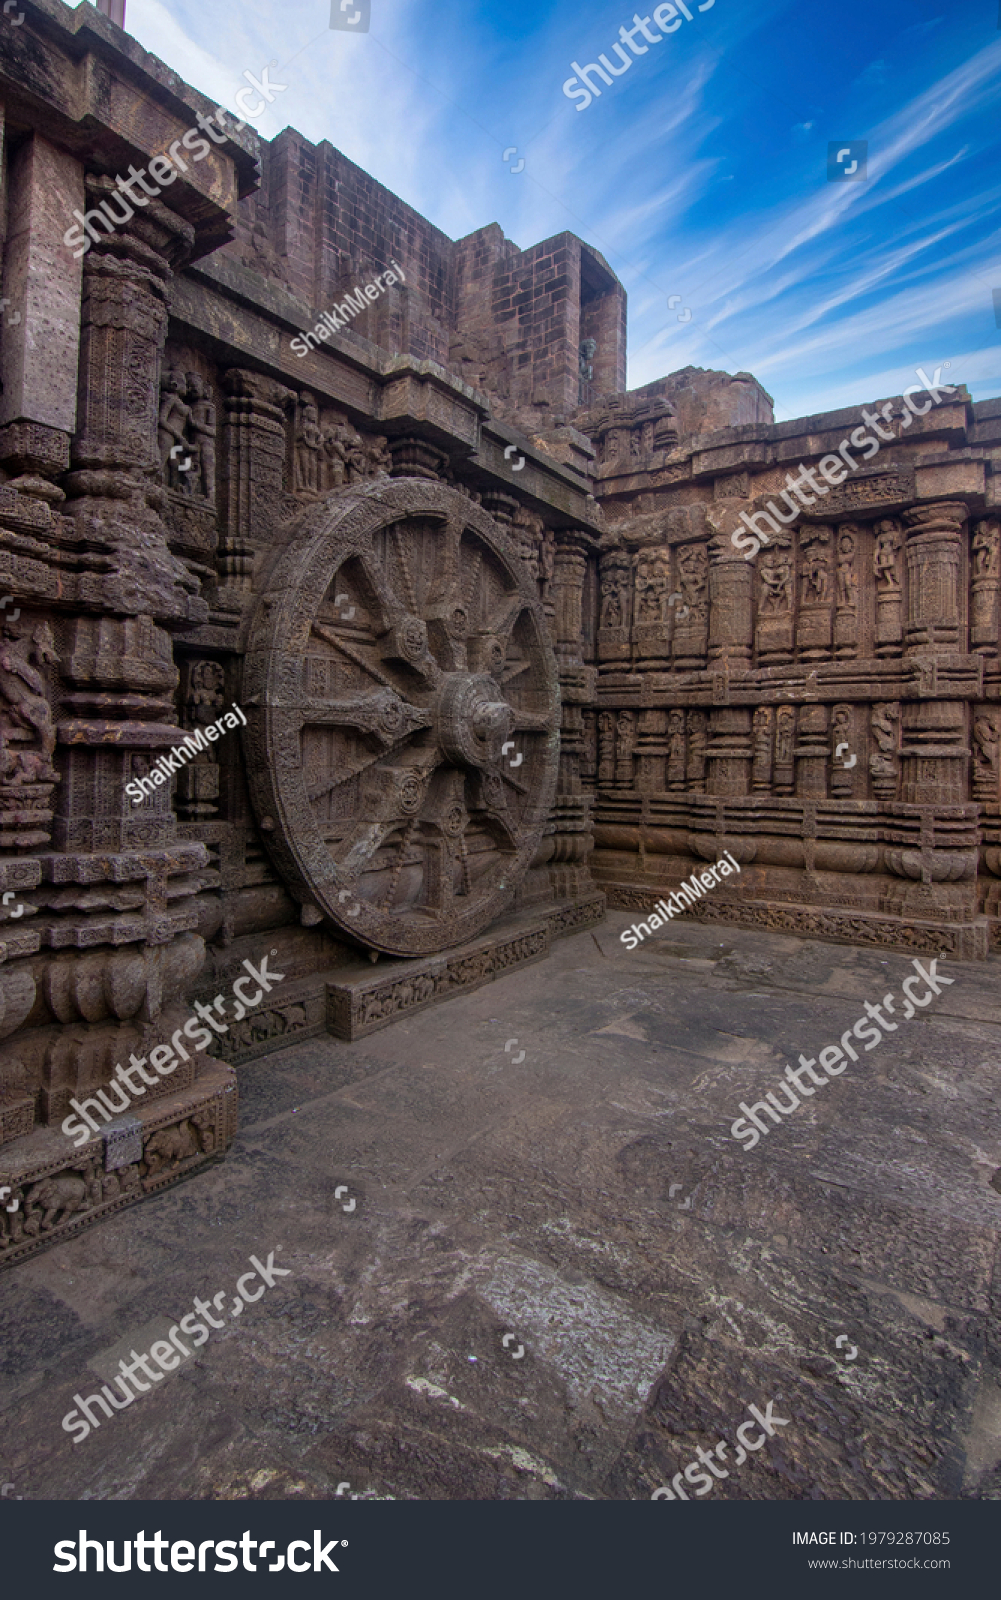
573	836
812	751
120	664
698	739
730	581
652	748
117	876
985	583
730	751
676	769
935	754
253	472
933	554
570	566
606	749
761	772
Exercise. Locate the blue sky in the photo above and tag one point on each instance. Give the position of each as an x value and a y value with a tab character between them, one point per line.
701	172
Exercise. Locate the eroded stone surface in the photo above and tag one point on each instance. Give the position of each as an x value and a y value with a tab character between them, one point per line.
588	1200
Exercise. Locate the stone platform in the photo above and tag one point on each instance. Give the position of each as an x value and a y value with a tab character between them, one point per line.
60	1188
970	941
361	1000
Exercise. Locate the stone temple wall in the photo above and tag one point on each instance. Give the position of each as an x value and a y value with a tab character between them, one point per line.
495	650
826	706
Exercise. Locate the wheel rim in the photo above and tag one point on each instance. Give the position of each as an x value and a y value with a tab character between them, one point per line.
402	705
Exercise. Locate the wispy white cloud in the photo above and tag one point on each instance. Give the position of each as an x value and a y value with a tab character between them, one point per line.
810	282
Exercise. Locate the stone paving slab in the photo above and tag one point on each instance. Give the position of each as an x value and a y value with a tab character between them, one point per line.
550	1158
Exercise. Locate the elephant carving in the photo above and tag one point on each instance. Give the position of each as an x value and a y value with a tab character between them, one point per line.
170	1147
64	1194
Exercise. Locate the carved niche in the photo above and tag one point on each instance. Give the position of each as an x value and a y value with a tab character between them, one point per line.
985	754
27	735
615	616
846	592
816	601
776	585
986	579
396	660
651	610
204	700
186	438
629	429
691	617
889	595
884	763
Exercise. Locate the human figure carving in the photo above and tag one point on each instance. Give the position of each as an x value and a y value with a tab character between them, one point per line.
611	606
884	559
884	720
784	723
307	445
763	736
776	579
24	689
985	739
173	428
847	581
203	426
693	576
985	551
817	575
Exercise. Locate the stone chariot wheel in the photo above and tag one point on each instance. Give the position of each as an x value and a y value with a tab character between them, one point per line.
402	705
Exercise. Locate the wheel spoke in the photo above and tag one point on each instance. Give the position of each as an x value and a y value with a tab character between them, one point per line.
405	839
384	714
532	721
329	637
390	607
504	618
384	780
